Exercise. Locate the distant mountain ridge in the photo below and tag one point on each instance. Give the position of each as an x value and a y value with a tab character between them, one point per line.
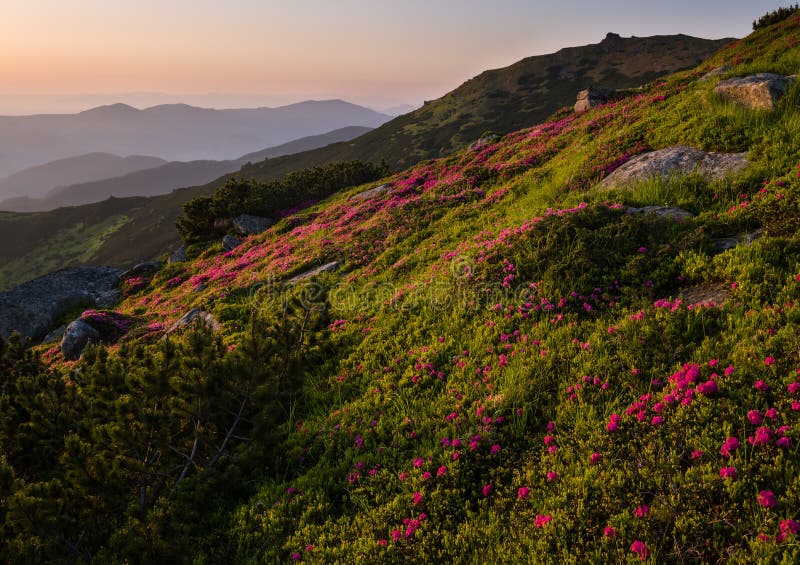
174	132
164	176
37	181
501	100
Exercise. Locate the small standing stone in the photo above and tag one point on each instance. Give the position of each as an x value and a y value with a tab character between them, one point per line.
76	337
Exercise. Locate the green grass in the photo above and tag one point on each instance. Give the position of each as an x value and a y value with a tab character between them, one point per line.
75	245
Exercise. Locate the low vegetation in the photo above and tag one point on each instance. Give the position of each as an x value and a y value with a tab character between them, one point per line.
506	367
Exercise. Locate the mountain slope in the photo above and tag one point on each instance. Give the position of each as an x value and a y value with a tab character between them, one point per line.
166	177
174	132
531	90
509	363
37	181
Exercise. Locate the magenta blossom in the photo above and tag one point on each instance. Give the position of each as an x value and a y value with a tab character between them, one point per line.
609	532
731	444
523	493
640	548
595	458
755	417
789	526
766	498
542	520
728	473
487	490
642	511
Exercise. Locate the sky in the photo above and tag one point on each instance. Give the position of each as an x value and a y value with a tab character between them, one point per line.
63	56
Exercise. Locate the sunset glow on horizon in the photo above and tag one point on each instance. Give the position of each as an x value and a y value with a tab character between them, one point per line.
370	52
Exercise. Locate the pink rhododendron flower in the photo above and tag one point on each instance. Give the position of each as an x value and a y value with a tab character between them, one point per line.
761	437
595	458
761	386
640	548
755	417
487	490
523	493
790	526
731	444
609	532
766	498
769	361
728	473
552	476
642	511
542	520
697	454
417	497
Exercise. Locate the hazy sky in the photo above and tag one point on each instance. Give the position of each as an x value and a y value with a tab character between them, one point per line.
266	52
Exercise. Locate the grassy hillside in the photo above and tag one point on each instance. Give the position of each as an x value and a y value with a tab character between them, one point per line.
501	100
505	368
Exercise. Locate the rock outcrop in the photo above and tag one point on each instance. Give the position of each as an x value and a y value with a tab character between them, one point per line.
246	224
484	141
327	268
725	243
591	97
76	337
36	307
179	256
230	243
207	319
142	270
377	191
675	161
715	73
759	92
670	212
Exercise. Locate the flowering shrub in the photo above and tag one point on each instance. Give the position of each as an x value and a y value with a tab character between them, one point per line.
505	364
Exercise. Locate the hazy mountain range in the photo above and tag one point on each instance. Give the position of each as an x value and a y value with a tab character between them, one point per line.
123	232
97	176
174	132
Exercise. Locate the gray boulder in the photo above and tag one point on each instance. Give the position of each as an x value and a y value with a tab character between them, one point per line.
229	242
108	299
715	73
327	268
759	92
725	243
35	307
55	335
251	225
670	212
591	97
142	270
76	337
178	256
377	191
675	161
206	318
484	141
